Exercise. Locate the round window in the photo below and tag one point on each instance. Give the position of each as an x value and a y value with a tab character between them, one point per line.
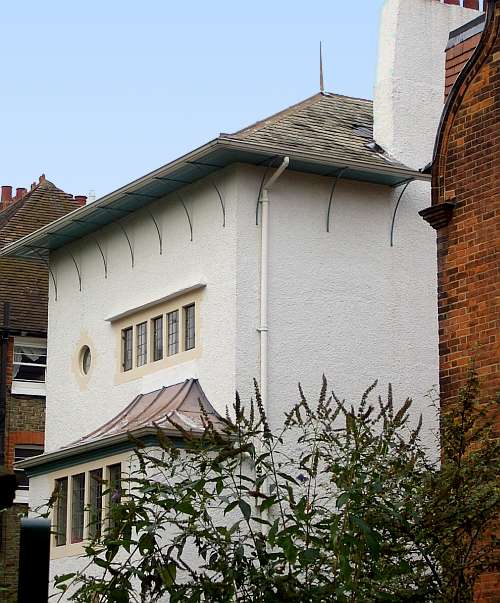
85	359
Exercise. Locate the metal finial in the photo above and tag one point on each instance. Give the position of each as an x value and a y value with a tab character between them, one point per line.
321	82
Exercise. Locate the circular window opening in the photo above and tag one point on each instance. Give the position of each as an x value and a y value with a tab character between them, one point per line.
85	359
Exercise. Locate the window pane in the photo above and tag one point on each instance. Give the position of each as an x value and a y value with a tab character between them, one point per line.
142	343
127	349
77	506
189	327
21	453
95	519
30	362
158	338
61	510
114	490
173	332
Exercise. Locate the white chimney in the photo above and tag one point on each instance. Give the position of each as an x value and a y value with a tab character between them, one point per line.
408	99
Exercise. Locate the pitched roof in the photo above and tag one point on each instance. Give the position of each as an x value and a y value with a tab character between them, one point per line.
164	408
326	123
25	282
179	404
327	135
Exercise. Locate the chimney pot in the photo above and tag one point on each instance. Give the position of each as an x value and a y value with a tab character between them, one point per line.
81	199
41	179
20	192
6	196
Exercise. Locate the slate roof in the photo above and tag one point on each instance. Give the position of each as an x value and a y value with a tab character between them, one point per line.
25	282
327	135
326	123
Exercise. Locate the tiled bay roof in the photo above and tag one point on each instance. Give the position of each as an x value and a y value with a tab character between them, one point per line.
25	282
327	124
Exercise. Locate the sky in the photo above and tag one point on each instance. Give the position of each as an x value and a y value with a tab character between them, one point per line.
95	94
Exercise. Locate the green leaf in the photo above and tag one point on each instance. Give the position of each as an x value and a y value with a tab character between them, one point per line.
230	506
185	507
268	503
342	499
168	574
245	508
64	578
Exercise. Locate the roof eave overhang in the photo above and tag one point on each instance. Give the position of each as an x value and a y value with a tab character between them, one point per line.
73	455
240	152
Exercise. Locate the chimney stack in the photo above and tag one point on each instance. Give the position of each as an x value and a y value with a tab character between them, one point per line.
411	74
6	197
20	192
81	199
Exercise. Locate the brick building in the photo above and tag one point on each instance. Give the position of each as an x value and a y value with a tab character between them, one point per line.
465	212
23	331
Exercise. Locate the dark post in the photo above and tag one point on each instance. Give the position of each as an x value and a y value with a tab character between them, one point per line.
3	379
34	554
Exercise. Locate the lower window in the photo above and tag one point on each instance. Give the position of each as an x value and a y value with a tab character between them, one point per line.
81	507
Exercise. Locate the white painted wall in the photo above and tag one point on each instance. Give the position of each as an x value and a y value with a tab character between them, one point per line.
409	90
79	316
343	303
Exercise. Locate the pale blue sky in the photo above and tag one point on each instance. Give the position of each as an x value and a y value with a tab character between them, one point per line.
97	93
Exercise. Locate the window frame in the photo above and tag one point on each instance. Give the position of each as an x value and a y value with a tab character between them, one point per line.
171	332
189	331
141	344
35	387
157	335
75	519
127	351
20	472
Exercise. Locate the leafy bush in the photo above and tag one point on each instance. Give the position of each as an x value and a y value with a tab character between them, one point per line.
342	504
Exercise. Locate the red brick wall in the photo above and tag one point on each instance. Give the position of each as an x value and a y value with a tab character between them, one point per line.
467	172
456	58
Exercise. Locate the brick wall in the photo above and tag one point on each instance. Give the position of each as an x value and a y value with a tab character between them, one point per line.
10	522
466	173
456	57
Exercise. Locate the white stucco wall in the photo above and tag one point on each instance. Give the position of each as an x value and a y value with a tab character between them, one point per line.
409	90
343	303
79	316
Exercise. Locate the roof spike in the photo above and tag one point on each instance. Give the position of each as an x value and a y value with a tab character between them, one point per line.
321	81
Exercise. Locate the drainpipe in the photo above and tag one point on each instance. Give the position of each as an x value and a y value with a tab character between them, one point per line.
3	379
264	270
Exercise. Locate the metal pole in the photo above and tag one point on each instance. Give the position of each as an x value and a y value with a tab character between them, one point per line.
3	379
34	552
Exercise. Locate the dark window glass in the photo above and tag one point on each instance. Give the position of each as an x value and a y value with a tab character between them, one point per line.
77	506
30	362
189	327
61	510
114	490
142	343
95	519
157	338
127	348
173	332
21	453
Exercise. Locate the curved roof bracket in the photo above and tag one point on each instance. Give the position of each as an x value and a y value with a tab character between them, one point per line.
187	213
160	237
393	222
213	183
128	241
104	261
334	186
77	270
52	275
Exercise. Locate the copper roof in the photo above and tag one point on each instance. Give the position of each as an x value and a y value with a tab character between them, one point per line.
179	404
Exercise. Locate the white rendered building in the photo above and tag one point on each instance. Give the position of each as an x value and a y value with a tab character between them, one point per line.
202	272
